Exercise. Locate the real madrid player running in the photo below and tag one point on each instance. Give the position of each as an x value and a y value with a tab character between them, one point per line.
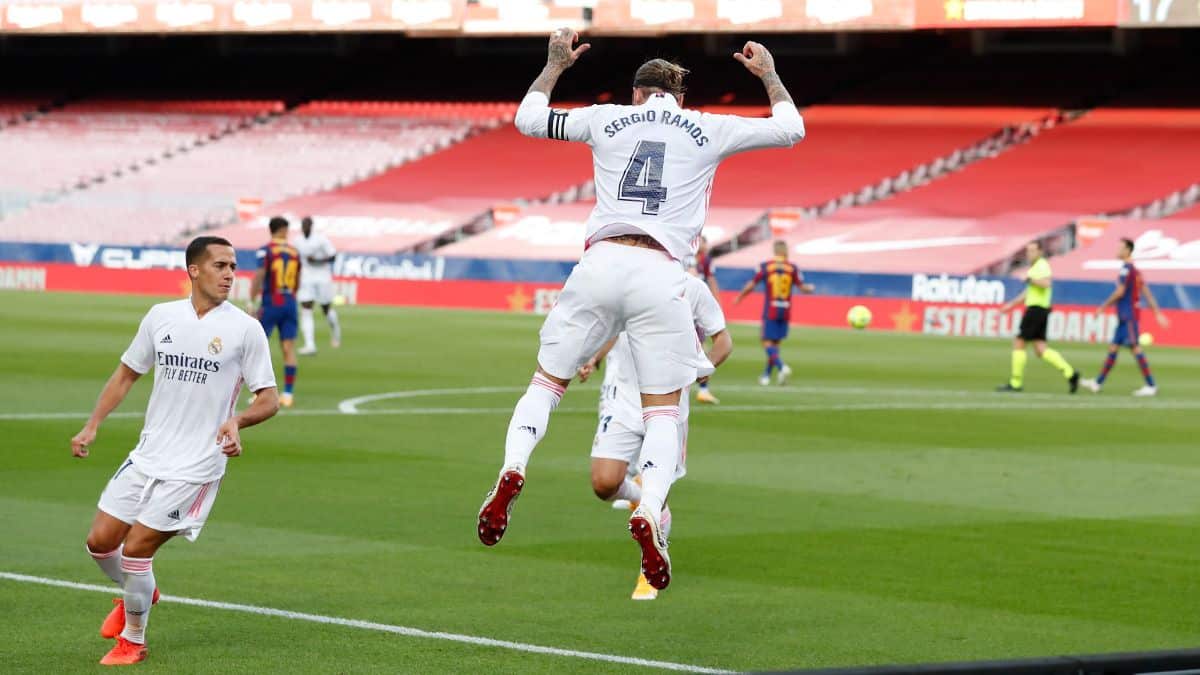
620	431
1037	296
202	350
316	286
1131	286
654	163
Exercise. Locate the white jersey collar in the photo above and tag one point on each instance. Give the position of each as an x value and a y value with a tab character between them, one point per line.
663	98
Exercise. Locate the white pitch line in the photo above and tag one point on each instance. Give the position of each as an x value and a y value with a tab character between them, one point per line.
381	627
797	408
350	405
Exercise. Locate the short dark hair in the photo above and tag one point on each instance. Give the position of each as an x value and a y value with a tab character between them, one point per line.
1128	243
661	74
199	248
306	220
277	223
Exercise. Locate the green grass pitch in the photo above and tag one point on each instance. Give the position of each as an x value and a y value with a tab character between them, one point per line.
885	507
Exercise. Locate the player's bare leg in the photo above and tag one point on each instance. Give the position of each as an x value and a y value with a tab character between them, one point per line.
307	330
611	481
137	558
104	541
289	372
526	428
660	455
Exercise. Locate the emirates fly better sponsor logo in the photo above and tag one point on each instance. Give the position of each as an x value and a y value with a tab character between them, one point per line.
186	368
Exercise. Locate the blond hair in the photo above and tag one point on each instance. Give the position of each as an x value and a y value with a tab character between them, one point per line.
662	75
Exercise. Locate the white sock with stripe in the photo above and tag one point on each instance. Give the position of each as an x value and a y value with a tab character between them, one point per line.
335	326
110	563
529	420
307	329
139	596
660	454
664	523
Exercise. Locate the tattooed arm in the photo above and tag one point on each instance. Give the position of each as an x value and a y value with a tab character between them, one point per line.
759	61
559	57
783	129
533	115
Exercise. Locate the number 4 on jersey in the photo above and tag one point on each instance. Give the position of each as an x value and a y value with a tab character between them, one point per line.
642	180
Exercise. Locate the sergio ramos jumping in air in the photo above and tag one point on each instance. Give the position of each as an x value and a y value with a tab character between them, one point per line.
654	163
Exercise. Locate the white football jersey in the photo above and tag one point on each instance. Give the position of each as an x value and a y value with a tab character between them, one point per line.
654	163
619	394
316	245
199	367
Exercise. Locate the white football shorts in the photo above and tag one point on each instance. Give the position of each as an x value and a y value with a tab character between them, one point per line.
615	440
163	505
639	290
316	289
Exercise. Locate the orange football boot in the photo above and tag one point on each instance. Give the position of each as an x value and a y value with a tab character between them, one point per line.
126	653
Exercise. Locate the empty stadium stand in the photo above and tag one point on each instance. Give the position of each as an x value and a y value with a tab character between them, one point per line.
322	147
1106	161
495	166
850	147
76	145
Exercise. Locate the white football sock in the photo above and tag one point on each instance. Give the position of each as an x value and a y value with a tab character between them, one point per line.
660	454
664	523
139	597
529	420
306	327
335	326
110	563
629	491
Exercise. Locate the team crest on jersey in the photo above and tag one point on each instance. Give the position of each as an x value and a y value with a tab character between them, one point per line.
215	346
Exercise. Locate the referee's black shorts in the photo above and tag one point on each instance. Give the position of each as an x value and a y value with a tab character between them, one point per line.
1033	323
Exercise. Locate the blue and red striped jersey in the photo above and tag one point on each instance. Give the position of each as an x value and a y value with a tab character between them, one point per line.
781	279
1131	280
282	279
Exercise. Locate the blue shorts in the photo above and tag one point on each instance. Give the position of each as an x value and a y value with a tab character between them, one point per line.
1127	333
283	317
774	329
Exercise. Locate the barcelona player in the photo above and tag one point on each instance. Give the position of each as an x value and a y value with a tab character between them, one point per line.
278	279
1131	285
781	279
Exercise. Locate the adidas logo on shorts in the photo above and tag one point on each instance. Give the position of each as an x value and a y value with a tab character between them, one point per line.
174	515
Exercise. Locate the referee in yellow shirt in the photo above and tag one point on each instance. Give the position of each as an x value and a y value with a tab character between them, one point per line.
1037	296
